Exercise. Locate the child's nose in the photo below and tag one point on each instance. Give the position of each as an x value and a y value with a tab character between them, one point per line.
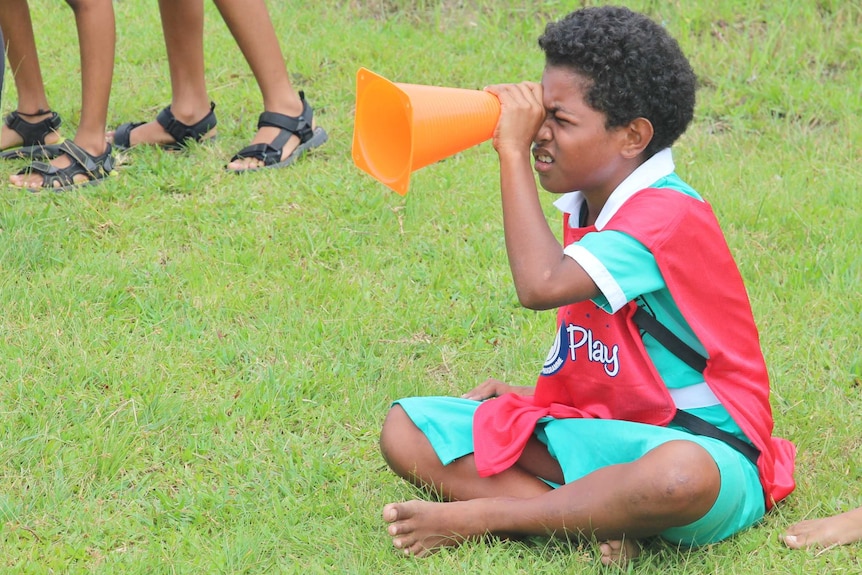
544	133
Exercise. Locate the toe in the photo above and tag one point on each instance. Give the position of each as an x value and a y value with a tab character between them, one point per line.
390	513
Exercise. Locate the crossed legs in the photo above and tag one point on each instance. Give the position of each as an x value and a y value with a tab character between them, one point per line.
672	485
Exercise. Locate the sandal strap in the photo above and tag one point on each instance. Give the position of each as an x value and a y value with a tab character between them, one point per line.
299	125
83	163
123	134
266	153
183	133
39	112
53	175
33	133
271	153
98	166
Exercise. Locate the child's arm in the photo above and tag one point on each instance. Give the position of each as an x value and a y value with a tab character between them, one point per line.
544	277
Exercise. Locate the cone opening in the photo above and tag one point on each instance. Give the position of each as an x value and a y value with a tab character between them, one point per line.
384	131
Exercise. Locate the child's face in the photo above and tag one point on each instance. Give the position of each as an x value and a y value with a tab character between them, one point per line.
573	149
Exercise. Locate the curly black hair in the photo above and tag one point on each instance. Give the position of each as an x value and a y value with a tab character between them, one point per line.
633	68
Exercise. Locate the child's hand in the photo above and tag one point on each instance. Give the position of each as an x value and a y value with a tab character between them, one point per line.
493	388
521	115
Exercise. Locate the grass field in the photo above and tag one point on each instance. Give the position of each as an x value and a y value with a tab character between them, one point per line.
195	365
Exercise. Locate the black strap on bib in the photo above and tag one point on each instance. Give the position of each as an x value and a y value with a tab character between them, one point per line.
649	324
699	426
646	322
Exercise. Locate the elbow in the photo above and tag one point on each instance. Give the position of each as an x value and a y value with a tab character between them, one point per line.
548	289
533	299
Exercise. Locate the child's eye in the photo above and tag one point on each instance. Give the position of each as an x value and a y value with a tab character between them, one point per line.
552	116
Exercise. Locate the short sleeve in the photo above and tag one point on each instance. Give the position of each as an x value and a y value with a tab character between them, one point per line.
621	266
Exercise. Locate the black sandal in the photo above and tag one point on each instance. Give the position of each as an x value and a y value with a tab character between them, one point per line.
270	154
183	134
33	134
96	168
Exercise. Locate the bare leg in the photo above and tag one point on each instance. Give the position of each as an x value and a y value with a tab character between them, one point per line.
839	529
251	27
410	455
183	28
24	64
2	63
674	484
96	36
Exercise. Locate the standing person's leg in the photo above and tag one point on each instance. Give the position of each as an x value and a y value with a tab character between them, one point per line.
183	28
251	27
88	157
2	64
97	37
33	116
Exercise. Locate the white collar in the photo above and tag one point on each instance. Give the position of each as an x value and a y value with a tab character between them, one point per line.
657	167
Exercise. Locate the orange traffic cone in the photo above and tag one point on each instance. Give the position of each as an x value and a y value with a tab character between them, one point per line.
400	128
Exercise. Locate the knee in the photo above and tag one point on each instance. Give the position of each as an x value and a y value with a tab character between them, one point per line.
395	440
686	477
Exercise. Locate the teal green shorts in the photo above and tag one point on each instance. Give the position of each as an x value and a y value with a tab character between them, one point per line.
582	446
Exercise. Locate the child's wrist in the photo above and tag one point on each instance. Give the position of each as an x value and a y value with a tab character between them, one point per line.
514	154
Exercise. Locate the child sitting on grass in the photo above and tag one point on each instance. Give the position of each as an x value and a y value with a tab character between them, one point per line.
651	414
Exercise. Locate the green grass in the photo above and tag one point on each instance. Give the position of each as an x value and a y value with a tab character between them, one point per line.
196	365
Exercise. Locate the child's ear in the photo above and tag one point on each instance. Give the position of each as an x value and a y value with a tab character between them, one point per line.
638	135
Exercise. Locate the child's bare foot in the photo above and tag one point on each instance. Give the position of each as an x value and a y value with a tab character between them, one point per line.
419	528
619	552
839	529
